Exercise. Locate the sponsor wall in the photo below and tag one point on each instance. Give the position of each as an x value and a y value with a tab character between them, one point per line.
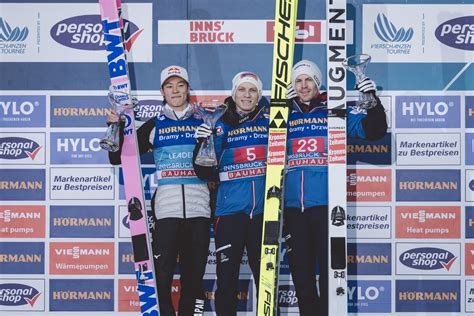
65	244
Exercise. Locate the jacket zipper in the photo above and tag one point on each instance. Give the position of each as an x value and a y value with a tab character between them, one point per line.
253	199
302	191
184	201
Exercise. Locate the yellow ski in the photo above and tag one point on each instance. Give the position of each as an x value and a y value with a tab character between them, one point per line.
284	40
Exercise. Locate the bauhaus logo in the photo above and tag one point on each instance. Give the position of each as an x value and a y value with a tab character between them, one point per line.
457	33
85	32
389	33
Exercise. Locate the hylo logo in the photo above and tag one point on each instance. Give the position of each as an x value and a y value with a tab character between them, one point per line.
426	108
371	293
23	108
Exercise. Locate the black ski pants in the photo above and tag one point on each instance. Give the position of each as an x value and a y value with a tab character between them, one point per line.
188	239
232	234
307	242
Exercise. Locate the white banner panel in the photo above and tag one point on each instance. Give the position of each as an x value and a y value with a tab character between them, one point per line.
239	32
418	33
417	149
69	32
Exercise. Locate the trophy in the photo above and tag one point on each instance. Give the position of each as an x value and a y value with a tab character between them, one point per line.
206	156
357	65
121	102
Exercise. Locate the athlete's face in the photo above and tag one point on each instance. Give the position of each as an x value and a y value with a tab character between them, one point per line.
175	90
306	88
246	97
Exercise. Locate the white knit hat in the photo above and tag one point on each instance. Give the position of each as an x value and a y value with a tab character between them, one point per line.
306	67
250	77
174	71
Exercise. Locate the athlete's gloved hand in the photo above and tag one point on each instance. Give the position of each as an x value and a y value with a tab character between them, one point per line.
290	92
202	132
367	86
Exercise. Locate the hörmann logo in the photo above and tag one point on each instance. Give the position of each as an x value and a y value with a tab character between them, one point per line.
13	148
428	258
11	39
428	296
15	294
85	32
457	33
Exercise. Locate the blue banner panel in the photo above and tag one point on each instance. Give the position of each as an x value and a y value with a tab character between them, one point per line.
79	221
428	111
81	295
428	185
428	296
377	152
78	148
369	258
79	111
22	185
22	111
374	296
22	258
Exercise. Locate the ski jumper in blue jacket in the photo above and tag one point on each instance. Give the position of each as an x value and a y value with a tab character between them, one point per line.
306	193
241	147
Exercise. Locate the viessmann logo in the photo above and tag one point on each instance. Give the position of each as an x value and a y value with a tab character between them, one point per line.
18	148
9	34
85	32
457	33
15	294
428	258
389	33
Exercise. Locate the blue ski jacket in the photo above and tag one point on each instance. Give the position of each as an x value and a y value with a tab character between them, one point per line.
306	182
241	148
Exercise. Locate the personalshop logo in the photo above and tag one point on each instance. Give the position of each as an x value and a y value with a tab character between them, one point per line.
147	109
428	258
16	294
84	32
457	33
13	148
389	33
